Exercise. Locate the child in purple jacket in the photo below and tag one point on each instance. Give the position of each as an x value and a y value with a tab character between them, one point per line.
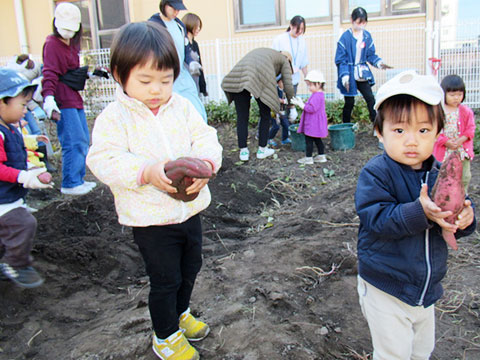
313	122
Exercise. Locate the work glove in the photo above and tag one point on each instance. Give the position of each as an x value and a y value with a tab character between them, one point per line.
101	72
194	67
298	101
346	82
29	179
292	116
49	105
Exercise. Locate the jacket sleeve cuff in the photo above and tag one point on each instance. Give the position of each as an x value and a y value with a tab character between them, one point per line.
140	180
414	216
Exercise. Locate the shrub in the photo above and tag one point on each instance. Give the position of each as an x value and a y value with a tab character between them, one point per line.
476	139
221	112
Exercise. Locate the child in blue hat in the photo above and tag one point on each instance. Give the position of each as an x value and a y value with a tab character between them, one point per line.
17	225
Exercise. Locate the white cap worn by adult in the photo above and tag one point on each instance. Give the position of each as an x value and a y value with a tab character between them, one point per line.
67	16
423	87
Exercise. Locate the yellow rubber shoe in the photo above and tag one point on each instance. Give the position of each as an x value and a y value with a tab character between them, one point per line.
175	347
194	330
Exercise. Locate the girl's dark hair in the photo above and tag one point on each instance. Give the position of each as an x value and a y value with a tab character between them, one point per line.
191	21
75	40
453	83
296	21
137	43
400	108
359	13
28	91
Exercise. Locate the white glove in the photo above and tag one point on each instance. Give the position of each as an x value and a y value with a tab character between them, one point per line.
29	179
50	105
292	116
298	101
346	82
194	67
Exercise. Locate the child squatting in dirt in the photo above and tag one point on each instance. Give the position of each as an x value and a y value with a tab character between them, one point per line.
17	224
133	138
402	256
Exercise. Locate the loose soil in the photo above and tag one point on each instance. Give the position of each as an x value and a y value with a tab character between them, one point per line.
278	279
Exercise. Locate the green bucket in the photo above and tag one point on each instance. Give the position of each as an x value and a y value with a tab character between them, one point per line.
298	140
342	136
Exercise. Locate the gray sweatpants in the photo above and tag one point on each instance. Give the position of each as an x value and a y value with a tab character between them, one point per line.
17	230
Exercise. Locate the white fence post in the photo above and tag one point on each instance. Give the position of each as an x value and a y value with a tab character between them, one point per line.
219	69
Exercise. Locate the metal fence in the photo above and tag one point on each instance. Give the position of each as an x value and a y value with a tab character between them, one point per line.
405	47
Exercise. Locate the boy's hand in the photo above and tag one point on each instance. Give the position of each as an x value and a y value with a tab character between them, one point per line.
198	184
434	213
155	174
465	218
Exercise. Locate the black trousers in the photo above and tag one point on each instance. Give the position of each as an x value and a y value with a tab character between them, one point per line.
309	145
242	106
173	258
366	91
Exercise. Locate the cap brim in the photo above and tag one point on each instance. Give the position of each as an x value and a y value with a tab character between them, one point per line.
429	99
178	6
14	91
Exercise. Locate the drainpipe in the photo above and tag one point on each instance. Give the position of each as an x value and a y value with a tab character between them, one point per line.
22	34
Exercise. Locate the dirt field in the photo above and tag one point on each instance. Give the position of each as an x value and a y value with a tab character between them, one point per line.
278	280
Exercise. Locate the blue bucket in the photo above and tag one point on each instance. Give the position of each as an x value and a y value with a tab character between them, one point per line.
342	136
298	140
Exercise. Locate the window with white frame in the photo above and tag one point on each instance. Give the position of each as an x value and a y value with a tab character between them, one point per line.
100	20
378	8
254	14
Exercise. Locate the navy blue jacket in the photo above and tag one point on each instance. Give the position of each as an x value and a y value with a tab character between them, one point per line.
188	48
399	250
345	60
16	158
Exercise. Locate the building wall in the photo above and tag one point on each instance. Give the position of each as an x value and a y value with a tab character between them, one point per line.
217	17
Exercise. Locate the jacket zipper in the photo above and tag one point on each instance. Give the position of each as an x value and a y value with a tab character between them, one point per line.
427	258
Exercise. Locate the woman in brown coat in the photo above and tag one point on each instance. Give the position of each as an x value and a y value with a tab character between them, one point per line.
255	74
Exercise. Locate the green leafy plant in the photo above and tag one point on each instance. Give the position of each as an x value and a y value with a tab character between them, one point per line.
222	112
476	139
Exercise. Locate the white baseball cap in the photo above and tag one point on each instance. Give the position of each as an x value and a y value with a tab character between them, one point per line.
67	16
315	76
423	87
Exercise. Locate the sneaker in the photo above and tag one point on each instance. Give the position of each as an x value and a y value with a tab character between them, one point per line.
195	330
306	161
244	154
272	142
77	190
175	347
90	184
264	152
286	141
26	277
320	159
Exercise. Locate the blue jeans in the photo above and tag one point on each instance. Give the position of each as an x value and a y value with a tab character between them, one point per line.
275	127
72	131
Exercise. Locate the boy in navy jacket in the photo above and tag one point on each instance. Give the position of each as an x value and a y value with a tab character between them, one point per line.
17	225
402	256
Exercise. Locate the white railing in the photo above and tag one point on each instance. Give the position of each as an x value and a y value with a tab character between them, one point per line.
401	47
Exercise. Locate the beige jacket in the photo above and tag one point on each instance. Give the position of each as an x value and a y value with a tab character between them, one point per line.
256	72
127	136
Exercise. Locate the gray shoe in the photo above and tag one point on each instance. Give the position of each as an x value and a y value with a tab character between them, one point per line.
26	277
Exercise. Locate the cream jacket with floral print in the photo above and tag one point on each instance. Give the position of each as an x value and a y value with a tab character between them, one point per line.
127	136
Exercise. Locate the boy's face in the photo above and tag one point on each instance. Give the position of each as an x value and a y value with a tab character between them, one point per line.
409	143
151	86
280	84
15	110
